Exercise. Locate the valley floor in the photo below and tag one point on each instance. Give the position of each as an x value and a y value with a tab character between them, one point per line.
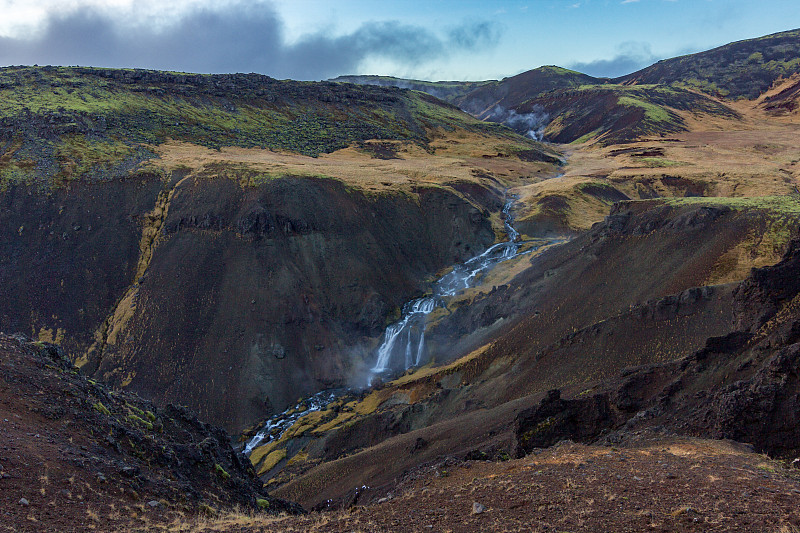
651	482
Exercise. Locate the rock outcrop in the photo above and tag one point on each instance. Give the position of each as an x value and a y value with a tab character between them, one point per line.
68	440
742	386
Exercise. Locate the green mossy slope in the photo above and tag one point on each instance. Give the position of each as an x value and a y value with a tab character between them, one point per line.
60	123
743	69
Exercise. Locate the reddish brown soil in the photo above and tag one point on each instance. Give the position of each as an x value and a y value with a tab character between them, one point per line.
67	466
655	483
52	463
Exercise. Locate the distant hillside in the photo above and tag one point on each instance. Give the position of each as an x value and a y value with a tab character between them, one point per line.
489	100
493	101
618	113
743	69
62	123
566	106
449	91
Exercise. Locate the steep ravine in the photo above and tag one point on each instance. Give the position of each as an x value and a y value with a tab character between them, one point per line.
632	291
232	299
258	295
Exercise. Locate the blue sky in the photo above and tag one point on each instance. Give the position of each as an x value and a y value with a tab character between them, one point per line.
316	39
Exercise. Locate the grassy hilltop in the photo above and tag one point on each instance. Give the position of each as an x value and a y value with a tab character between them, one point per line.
66	122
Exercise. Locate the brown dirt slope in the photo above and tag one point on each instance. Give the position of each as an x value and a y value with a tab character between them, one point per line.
742	385
75	455
783	98
68	255
650	482
284	280
553	325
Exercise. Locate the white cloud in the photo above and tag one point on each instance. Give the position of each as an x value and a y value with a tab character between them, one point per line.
23	17
239	37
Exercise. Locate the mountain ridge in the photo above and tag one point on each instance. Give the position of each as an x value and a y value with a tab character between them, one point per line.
741	70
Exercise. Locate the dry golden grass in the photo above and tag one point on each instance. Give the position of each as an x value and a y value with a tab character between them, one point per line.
754	156
245	520
452	157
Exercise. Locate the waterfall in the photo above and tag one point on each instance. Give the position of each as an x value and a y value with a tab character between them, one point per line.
394	355
414	313
398	352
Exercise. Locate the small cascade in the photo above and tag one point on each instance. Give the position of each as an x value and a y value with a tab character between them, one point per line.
275	426
403	343
513	234
412	327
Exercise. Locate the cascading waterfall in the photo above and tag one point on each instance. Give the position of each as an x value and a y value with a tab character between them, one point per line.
403	343
412	324
392	355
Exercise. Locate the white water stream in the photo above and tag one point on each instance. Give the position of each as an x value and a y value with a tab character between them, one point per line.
403	343
275	426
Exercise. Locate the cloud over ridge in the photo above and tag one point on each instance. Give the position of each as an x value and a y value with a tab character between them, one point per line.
631	56
242	38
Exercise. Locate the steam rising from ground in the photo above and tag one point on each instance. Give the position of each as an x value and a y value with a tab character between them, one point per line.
529	124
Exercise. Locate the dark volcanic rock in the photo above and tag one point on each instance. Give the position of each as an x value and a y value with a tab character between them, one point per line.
556	419
107	448
760	296
256	296
742	386
64	280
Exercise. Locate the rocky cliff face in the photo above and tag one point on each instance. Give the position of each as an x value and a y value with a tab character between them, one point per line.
256	297
741	386
233	300
69	253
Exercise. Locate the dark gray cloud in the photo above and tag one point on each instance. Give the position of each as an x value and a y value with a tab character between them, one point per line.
242	38
631	56
475	36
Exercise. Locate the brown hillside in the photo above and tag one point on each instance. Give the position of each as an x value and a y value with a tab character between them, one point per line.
75	455
559	328
650	482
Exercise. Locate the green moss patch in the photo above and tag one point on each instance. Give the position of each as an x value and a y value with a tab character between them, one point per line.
72	122
221	473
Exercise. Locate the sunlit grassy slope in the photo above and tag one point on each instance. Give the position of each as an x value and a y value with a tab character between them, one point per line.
65	122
